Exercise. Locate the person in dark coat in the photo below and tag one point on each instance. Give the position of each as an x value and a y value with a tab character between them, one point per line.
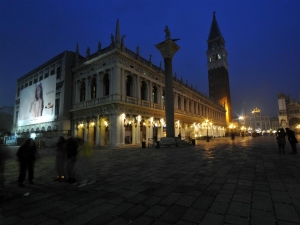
281	140
26	155
292	139
60	158
72	151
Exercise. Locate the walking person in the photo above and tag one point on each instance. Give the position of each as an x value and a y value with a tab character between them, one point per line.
72	151
60	158
85	164
26	155
281	140
292	139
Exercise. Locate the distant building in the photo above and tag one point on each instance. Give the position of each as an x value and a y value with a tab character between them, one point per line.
111	97
274	124
257	122
289	111
218	79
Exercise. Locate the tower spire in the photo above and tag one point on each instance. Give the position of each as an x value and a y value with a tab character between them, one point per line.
117	35
214	29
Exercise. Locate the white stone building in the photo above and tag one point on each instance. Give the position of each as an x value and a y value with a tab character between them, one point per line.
116	97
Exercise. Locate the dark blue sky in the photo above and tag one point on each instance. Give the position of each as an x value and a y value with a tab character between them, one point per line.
262	40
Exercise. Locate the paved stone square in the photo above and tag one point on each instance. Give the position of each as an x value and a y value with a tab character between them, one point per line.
244	181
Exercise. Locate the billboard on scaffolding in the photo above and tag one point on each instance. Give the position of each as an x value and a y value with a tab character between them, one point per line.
37	102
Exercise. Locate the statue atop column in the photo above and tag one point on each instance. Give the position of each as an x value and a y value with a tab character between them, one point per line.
168	33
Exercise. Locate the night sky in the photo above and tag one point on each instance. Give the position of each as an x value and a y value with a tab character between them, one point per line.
262	40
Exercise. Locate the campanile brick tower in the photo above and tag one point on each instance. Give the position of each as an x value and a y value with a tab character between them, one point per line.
218	79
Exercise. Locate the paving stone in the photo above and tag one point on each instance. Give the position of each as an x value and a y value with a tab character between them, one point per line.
143	220
173	214
262	203
203	202
193	215
186	200
135	212
237	220
286	212
239	209
262	217
211	218
156	211
170	199
219	208
242	198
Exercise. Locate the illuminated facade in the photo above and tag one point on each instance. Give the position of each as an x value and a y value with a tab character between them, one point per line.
118	99
289	112
218	79
49	116
257	122
111	97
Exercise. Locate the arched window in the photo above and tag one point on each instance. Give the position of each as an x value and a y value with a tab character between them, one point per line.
93	88
106	85
184	105
129	86
144	90
163	98
82	92
154	94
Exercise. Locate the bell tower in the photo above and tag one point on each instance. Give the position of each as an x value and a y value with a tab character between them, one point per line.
218	79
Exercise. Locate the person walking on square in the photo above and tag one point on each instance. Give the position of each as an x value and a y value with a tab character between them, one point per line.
85	164
281	140
26	155
292	139
72	151
60	158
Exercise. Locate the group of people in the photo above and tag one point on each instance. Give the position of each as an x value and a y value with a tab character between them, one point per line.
67	151
280	137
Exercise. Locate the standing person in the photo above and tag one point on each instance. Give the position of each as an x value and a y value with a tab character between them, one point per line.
37	104
281	140
72	151
292	139
26	155
60	158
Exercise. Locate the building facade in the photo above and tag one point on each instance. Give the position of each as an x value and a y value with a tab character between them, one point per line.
111	97
256	122
43	99
218	79
289	111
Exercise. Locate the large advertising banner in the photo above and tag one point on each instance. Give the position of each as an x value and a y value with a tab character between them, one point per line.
37	102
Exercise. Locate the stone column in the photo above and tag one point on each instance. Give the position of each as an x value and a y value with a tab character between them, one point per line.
167	49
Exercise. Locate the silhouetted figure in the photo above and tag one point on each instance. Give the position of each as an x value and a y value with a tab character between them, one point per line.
72	151
292	139
60	158
26	155
281	140
4	153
